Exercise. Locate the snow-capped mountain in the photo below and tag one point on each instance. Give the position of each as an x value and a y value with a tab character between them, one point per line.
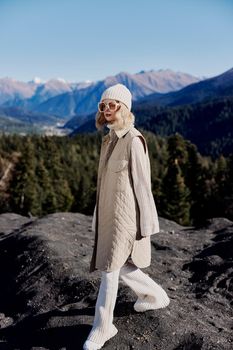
218	86
64	99
13	90
40	92
83	101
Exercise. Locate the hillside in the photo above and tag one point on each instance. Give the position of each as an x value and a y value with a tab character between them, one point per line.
209	125
47	295
218	86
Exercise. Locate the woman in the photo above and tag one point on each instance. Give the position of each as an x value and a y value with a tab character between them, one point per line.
125	216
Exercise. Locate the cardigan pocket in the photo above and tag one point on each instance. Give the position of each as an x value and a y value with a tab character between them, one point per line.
117	165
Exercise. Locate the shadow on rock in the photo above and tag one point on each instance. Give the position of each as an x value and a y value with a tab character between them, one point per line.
191	342
52	330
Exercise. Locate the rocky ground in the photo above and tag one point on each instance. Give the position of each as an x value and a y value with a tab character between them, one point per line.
47	296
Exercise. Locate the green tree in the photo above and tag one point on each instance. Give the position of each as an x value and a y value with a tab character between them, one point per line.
24	195
46	194
175	203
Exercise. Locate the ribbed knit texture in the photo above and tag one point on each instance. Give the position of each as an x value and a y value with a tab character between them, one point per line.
103	328
142	186
151	295
118	92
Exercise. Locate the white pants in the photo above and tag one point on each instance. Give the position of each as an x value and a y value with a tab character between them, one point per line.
150	296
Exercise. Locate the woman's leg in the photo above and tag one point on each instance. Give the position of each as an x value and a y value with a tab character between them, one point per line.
150	294
103	328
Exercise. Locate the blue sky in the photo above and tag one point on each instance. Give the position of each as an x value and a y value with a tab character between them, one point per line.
82	40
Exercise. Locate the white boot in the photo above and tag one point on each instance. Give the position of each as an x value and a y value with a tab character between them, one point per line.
103	328
151	295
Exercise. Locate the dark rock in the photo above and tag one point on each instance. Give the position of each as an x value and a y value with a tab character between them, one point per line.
5	321
212	268
10	222
49	296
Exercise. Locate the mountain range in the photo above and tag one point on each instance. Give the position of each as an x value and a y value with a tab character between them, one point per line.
65	100
202	91
164	102
202	112
219	86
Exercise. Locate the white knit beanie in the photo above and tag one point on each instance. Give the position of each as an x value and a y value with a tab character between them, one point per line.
120	93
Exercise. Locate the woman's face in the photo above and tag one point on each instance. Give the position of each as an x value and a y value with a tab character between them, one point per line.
110	115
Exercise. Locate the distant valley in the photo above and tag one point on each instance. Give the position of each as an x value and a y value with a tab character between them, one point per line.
164	102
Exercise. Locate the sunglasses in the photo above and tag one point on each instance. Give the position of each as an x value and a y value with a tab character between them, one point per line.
112	106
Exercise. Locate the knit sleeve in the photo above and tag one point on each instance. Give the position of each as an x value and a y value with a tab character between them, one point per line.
140	170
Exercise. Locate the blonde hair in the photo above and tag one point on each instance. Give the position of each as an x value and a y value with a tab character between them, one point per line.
124	118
